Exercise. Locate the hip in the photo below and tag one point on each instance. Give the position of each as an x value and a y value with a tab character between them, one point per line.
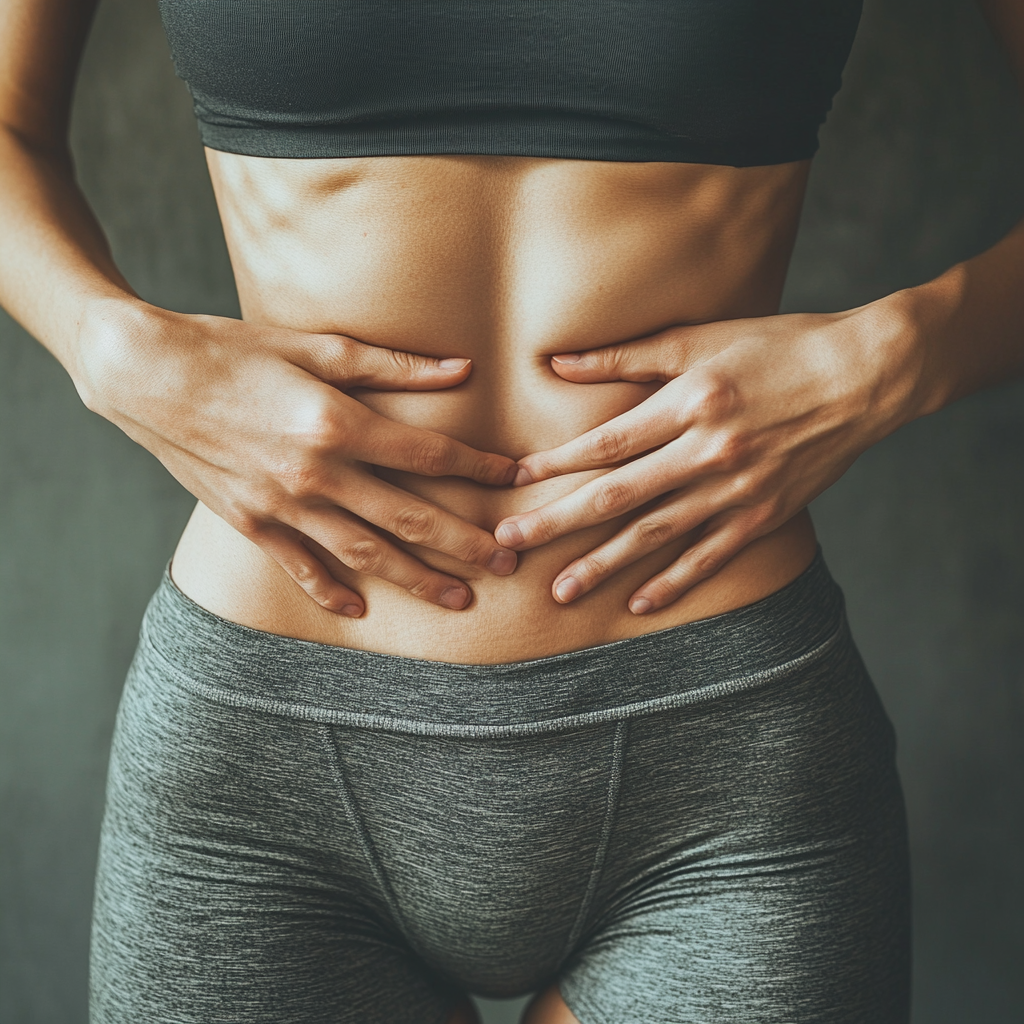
650	822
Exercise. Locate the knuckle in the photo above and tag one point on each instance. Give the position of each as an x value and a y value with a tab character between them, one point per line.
538	466
250	525
712	396
655	531
347	351
386	364
320	426
404	363
306	575
321	591
605	360
604	446
476	550
592	569
365	556
542	525
739	488
247	523
301	478
416	524
614	497
432	456
328	599
760	517
707	562
340	355
725	448
423	587
748	494
466	545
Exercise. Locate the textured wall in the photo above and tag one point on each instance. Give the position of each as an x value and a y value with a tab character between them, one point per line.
921	165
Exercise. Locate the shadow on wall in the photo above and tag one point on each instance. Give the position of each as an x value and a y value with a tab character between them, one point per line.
921	165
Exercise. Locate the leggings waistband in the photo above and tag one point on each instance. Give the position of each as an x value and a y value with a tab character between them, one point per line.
744	648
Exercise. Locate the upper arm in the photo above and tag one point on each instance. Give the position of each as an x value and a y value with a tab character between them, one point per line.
41	43
1007	20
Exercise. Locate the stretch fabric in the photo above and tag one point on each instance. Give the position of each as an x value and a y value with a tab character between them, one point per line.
743	82
699	825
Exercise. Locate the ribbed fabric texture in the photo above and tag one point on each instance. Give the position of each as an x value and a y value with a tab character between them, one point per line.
738	82
704	824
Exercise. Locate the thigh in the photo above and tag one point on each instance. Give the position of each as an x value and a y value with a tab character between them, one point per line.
230	884
759	867
809	946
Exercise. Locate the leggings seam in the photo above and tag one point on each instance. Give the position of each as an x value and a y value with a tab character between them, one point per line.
365	841
601	853
562	723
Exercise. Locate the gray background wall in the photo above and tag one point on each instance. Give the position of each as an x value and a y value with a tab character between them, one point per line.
921	165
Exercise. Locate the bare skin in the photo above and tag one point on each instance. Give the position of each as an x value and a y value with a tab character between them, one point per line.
548	1007
503	261
350	475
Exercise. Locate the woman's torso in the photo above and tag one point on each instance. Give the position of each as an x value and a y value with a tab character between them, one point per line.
505	260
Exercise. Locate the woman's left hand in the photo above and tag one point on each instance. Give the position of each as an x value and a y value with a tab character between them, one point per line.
755	419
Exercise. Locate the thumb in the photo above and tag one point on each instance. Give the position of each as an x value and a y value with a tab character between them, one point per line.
658	357
347	363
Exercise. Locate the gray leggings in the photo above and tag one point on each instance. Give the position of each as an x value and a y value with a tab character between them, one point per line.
701	824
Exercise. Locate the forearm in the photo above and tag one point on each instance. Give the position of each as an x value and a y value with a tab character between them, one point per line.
968	324
953	336
56	268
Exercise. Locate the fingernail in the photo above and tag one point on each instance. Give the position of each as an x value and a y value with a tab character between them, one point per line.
510	535
353	611
523	476
569	357
568	589
454	597
454	364
640	606
502	562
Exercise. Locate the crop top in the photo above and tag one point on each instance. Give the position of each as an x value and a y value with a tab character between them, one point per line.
737	82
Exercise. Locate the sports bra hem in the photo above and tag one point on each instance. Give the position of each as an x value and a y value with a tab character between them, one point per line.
565	141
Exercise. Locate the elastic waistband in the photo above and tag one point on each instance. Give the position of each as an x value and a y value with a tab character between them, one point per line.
747	647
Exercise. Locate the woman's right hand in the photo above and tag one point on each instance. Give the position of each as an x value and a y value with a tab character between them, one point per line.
254	421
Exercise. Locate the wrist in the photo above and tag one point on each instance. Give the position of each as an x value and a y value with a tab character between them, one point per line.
899	335
112	335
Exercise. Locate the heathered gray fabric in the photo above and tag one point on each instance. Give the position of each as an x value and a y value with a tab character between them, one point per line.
699	825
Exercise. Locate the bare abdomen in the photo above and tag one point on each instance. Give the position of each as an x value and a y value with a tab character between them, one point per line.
505	261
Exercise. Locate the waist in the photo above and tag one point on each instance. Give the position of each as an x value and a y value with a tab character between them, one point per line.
744	648
514	409
504	261
510	618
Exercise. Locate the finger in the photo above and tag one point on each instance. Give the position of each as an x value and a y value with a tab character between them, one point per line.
285	546
664	524
658	357
650	424
602	499
347	363
372	438
706	557
419	522
359	547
